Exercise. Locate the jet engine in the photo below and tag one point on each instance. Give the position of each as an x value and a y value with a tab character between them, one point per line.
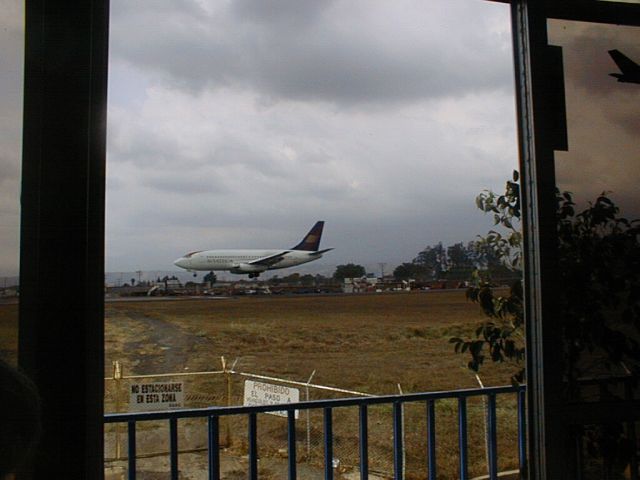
248	268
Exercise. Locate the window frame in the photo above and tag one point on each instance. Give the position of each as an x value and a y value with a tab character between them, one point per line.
551	453
63	213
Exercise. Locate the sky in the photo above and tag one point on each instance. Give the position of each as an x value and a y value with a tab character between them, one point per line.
11	73
239	124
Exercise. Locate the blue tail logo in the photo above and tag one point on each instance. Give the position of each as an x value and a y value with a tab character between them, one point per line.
311	241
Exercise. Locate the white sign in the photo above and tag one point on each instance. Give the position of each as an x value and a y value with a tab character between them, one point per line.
258	393
144	397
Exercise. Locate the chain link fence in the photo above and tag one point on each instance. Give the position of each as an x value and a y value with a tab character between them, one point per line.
226	387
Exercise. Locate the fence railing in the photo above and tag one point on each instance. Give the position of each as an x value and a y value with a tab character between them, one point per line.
225	387
397	403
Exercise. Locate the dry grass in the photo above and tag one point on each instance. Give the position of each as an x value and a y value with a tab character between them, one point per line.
368	343
9	331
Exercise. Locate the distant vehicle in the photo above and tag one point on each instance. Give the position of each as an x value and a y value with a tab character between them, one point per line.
254	262
630	69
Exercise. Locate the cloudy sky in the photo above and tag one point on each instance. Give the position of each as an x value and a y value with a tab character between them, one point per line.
240	123
11	53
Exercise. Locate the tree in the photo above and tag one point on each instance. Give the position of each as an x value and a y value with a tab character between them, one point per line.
350	270
292	279
434	260
486	260
321	279
598	304
307	280
598	261
458	256
504	247
210	278
408	271
502	334
460	262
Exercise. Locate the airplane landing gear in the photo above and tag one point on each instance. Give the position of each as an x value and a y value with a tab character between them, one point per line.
254	275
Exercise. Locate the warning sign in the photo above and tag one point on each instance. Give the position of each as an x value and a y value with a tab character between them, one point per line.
258	393
144	397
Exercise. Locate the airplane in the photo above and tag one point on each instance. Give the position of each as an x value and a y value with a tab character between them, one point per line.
254	262
630	69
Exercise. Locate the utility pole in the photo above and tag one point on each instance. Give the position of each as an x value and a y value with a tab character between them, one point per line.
382	265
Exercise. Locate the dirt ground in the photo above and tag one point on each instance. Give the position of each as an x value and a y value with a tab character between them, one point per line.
373	343
368	343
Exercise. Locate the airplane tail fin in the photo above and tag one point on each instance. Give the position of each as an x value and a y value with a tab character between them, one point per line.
311	241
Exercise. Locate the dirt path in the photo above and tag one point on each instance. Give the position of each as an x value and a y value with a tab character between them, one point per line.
150	345
194	466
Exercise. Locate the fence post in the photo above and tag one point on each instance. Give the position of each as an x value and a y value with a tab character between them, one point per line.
227	418
486	420
117	378
309	418
228	373
404	450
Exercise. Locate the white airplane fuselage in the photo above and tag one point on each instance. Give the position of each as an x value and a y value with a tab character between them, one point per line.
254	262
238	261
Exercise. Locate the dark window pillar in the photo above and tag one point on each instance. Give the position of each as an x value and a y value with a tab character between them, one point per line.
62	230
555	417
547	452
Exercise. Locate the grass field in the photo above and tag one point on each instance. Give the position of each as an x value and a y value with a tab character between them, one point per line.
9	331
371	343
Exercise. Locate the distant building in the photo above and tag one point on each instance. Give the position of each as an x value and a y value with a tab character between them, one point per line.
9	292
359	285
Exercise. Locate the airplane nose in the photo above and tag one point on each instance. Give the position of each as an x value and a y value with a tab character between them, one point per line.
181	262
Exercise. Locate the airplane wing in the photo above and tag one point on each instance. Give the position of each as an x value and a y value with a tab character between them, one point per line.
320	252
625	64
270	260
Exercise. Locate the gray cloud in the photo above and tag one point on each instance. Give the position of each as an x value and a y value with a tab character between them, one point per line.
193	183
308	51
11	73
214	168
239	124
9	170
290	13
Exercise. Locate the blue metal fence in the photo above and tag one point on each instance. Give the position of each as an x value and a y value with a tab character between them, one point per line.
327	406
